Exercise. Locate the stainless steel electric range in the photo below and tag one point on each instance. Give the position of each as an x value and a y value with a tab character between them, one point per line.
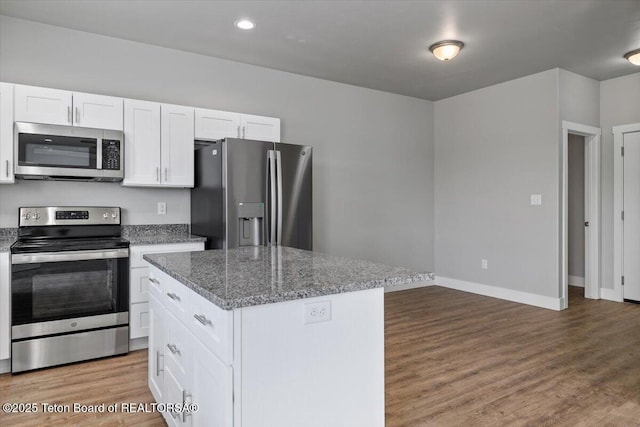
69	286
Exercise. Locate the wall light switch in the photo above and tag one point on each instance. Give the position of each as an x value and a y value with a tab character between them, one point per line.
162	208
484	264
536	200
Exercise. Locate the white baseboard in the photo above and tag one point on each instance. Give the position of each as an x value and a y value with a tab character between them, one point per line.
501	293
5	366
576	281
138	343
609	294
408	286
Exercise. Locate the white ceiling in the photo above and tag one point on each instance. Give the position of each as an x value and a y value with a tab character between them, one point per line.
376	44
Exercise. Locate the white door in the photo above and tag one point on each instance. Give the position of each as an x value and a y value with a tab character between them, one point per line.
175	393
177	145
260	128
42	105
631	223
211	390
6	133
214	124
97	111
156	349
141	143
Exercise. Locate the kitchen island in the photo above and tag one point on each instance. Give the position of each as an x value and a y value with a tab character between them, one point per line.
266	336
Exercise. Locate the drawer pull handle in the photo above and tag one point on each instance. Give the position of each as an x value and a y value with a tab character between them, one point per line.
158	356
185	413
200	318
173	349
173	296
154	281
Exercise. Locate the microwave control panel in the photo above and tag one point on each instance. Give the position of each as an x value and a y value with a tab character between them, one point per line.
111	154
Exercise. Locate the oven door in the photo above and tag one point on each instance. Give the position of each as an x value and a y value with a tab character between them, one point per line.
47	288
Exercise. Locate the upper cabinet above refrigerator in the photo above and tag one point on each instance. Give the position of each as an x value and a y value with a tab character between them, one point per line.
60	107
214	125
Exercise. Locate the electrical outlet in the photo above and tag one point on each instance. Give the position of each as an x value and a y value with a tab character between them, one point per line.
162	208
536	200
315	312
484	264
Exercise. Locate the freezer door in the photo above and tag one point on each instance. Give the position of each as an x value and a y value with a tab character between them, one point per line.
245	174
294	213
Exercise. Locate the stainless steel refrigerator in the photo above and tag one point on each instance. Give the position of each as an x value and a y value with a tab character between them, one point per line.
252	193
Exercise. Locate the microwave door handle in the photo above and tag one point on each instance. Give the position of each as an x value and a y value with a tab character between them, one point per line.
99	154
272	200
279	173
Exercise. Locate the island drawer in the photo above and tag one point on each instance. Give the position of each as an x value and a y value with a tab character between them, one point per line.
212	326
156	287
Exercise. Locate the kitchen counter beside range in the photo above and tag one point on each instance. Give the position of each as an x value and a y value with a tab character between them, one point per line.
263	275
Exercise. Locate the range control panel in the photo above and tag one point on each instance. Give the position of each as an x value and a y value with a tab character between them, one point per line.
51	215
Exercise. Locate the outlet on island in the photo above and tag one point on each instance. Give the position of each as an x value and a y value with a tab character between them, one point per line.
162	208
315	312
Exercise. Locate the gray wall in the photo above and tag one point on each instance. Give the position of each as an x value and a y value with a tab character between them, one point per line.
576	205
579	98
495	147
373	151
619	105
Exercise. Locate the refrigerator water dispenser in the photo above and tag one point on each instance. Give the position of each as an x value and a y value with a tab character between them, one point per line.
250	224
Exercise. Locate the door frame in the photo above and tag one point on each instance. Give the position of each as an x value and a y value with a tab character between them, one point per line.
592	210
618	180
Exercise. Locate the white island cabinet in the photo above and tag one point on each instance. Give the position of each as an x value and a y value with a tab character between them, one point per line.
269	336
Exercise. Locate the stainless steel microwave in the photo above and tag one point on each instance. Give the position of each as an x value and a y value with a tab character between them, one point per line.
68	153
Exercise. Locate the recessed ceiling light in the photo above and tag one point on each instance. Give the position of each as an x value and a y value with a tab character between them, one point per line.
633	57
245	24
446	49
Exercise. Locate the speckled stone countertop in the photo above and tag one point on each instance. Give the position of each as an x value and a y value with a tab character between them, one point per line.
159	234
262	275
7	237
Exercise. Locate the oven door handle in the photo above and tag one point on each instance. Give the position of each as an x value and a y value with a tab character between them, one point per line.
43	257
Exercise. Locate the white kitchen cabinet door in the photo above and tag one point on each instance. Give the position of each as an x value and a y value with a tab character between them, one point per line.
260	128
177	140
141	143
138	320
5	295
211	389
156	349
97	111
43	105
215	124
6	133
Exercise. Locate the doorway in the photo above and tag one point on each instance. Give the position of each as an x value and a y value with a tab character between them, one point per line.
576	214
626	200
589	137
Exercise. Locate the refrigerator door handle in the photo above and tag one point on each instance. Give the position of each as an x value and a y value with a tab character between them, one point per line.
279	173
272	201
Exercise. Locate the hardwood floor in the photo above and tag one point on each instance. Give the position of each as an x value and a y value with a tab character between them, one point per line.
452	359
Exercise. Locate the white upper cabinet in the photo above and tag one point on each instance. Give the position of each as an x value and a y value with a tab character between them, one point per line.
141	143
43	105
260	128
6	133
215	124
176	145
97	111
61	107
158	140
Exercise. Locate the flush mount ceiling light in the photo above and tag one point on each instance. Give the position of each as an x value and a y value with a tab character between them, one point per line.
244	24
446	49
633	57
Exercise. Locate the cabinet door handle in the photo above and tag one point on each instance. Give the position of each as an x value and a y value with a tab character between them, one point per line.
158	356
238	131
173	296
7	171
154	281
202	319
77	115
158	174
243	132
69	118
173	349
166	174
185	413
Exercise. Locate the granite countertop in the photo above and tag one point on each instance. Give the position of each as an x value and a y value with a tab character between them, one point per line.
7	237
159	234
262	275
